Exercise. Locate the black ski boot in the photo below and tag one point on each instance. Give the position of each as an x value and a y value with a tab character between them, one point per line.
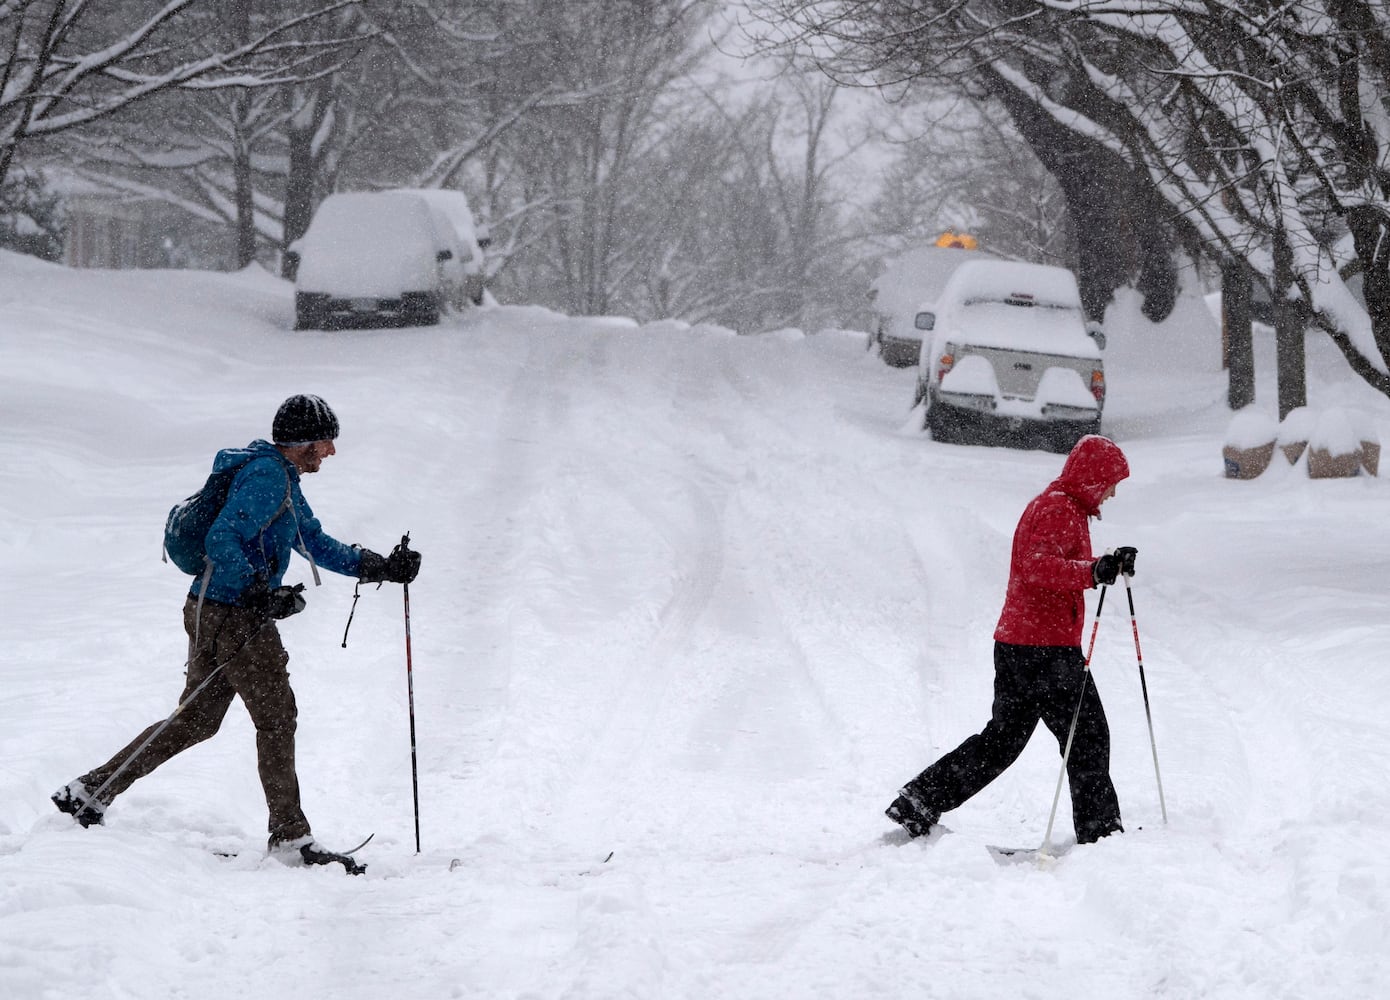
76	800
911	815
305	850
313	854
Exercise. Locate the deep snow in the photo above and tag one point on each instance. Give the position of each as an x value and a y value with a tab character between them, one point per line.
698	600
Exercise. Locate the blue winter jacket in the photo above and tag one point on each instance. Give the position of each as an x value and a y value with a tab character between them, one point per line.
248	539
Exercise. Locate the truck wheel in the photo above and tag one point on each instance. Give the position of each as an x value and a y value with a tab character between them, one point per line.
420	309
940	428
310	311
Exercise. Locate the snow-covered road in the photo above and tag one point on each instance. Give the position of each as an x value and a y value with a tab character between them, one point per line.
697	601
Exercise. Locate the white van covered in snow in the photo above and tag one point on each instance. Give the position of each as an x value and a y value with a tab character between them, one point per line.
1011	359
910	281
472	239
376	258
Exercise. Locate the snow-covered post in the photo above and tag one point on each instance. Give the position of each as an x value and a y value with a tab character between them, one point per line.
1334	451
1249	443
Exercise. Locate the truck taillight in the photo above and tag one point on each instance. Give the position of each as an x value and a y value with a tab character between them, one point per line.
944	364
1098	384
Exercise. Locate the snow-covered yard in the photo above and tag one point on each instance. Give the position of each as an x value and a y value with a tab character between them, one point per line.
693	606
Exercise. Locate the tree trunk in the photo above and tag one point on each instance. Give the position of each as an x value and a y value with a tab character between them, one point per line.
245	196
1114	216
1237	334
299	196
1288	332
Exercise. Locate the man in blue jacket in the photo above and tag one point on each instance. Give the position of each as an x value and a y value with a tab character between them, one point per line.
234	644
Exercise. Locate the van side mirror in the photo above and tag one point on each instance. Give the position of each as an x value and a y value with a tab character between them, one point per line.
925	321
444	255
1094	331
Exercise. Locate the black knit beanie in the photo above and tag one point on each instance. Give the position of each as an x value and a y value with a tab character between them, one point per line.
303	419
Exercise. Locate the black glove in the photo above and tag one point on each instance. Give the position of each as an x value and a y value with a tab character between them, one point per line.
401	566
286	601
1108	568
372	568
278	603
1105	570
256	597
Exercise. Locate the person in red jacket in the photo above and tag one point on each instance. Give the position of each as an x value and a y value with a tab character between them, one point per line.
1039	669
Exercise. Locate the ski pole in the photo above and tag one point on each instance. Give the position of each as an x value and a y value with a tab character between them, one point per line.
1143	686
356	593
96	795
1071	733
410	696
144	745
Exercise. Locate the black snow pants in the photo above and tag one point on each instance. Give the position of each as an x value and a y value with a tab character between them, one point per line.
1033	683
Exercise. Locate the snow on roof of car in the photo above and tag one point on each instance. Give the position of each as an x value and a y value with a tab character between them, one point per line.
454	206
363	243
1000	280
916	276
1012	305
985	323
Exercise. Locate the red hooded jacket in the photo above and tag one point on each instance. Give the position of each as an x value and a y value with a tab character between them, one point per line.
1051	565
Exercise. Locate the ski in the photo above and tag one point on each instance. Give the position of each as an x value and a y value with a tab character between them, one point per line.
456	864
899	837
605	861
354	850
322	857
1025	855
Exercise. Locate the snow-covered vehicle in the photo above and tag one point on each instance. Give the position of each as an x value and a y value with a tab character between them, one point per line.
910	282
472	239
376	258
1012	358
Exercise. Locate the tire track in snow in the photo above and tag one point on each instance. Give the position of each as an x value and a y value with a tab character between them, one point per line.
491	625
654	685
649	674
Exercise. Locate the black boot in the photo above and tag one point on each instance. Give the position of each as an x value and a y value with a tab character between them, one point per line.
306	850
313	854
909	813
75	799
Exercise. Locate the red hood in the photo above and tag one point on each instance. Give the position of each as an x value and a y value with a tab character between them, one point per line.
1094	465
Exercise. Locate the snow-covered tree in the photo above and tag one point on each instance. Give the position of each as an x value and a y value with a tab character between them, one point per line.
70	64
1258	131
615	68
742	223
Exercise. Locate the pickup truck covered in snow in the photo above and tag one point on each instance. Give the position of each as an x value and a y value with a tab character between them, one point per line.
1011	359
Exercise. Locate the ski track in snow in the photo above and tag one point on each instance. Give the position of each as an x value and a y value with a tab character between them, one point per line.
693	606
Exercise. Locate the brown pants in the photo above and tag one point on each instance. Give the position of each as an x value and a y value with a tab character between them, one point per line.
252	660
